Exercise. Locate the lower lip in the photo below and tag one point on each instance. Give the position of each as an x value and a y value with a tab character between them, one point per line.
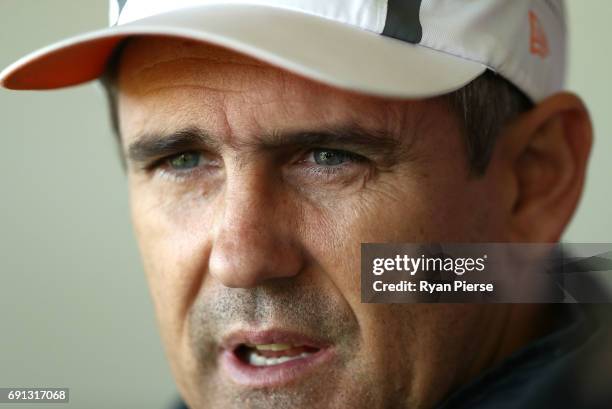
275	375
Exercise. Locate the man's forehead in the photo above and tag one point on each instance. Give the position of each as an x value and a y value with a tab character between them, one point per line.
148	61
182	82
143	51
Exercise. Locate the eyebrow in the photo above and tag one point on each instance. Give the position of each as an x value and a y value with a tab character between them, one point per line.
155	146
374	142
150	147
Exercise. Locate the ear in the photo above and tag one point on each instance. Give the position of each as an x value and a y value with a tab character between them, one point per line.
544	156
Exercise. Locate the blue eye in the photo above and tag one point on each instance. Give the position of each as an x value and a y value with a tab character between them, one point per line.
185	160
331	157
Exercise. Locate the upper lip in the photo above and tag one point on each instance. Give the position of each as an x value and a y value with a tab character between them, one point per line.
269	336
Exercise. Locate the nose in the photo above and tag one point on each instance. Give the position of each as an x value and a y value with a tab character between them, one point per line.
253	238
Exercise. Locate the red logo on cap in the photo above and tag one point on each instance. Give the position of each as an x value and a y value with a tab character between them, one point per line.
538	42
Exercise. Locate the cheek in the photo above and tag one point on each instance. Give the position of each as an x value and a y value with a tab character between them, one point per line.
399	208
404	341
173	239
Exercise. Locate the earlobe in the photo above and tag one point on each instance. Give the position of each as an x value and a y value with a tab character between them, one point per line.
547	150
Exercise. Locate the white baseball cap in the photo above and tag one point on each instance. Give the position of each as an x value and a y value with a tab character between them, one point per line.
393	48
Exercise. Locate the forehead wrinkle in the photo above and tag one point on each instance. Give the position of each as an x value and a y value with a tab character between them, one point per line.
186	86
224	74
211	58
163	48
208	61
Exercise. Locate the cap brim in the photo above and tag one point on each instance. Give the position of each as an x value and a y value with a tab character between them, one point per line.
320	49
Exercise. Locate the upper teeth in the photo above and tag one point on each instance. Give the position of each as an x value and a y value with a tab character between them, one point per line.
272	347
257	360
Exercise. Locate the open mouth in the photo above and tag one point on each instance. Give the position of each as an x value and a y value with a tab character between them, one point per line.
271	358
272	354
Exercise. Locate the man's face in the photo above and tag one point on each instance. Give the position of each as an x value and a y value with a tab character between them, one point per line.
251	191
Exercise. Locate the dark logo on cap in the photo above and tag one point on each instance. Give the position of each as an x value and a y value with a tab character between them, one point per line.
403	20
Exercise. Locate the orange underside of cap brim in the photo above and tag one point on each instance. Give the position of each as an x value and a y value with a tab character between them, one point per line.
64	67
